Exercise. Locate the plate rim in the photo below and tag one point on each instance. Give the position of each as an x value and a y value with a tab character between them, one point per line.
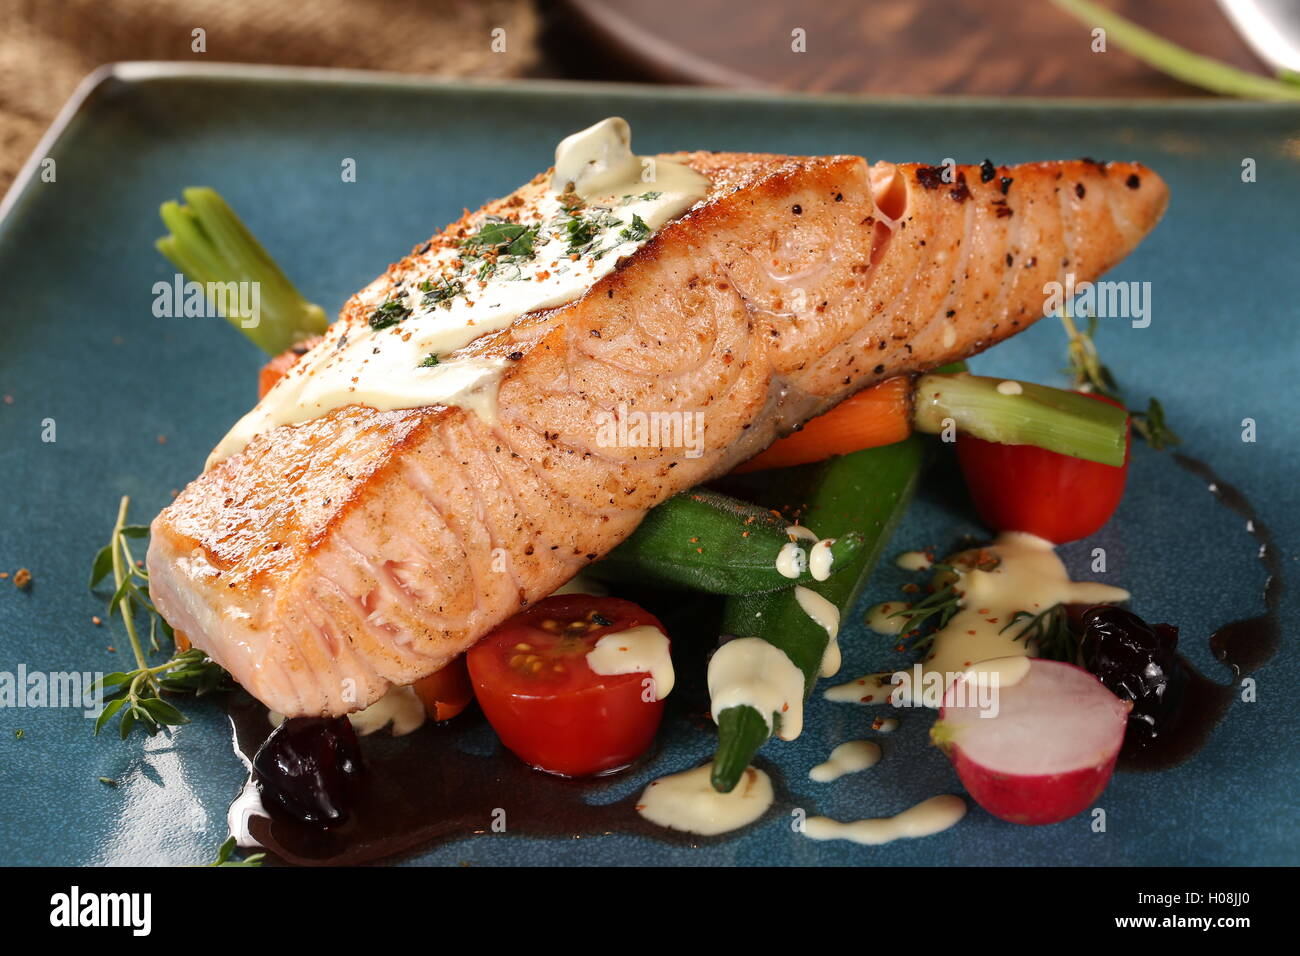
152	71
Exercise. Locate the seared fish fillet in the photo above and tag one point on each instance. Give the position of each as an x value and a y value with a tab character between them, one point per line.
331	559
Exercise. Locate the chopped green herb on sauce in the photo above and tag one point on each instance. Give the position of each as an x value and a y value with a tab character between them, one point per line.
389	314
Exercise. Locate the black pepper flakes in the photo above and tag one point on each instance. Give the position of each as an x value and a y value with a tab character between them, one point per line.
931	177
797	209
1079	190
1133	181
1005	184
960	192
987	171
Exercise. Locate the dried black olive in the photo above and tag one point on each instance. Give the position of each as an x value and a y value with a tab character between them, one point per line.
1139	662
310	769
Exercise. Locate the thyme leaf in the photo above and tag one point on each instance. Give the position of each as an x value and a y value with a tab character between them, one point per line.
225	854
1050	630
635	232
389	314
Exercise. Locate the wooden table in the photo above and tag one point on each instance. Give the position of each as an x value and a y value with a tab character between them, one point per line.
989	47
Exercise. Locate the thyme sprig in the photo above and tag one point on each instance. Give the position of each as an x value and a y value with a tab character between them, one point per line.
1050	630
938	607
1086	370
137	694
1088	373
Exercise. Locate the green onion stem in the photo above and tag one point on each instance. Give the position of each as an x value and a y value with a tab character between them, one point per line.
209	244
1177	61
1021	413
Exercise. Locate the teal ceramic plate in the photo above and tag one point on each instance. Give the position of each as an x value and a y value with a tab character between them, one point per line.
135	402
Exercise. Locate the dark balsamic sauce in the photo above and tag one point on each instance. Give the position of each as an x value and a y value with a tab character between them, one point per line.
450	781
1243	646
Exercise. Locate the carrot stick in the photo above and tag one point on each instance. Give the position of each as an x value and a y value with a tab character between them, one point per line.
880	415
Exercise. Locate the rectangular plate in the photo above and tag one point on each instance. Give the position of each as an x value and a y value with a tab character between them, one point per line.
136	402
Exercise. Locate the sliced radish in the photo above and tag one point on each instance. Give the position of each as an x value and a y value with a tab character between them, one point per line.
1034	741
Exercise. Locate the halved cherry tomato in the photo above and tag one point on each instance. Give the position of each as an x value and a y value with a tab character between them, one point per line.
552	710
446	692
1023	488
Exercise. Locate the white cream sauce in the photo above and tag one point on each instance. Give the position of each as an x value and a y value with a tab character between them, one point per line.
791	560
451	302
867	689
884	725
882	618
850	757
748	671
1028	577
827	615
913	561
925	819
820	559
638	650
687	801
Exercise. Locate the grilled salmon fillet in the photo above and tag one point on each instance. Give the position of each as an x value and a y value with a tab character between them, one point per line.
334	558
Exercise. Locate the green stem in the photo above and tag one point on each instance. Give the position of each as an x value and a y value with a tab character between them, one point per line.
119	575
1177	61
1022	413
210	244
863	493
741	731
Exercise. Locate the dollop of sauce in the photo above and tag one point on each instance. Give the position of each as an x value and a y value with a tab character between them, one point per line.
820	559
913	561
637	650
556	244
853	756
748	671
827	615
687	801
925	819
1017	572
884	618
1028	577
791	560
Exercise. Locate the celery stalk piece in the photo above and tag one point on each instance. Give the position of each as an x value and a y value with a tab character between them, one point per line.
1022	413
211	246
